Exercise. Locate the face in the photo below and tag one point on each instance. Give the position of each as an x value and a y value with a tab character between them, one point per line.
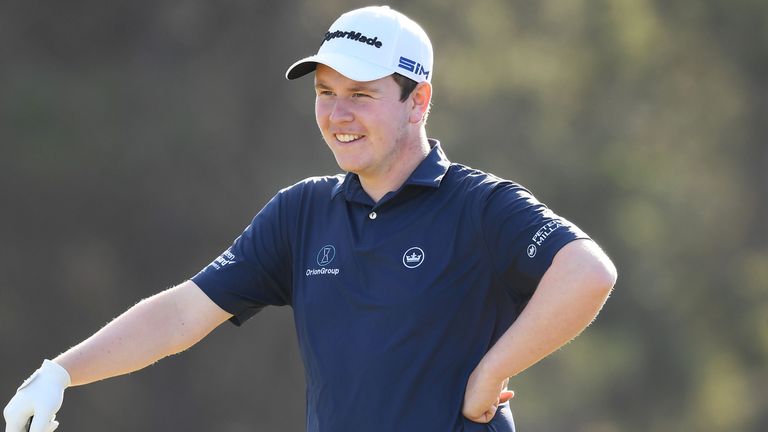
365	124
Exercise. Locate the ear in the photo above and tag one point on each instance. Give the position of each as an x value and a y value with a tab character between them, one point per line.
420	98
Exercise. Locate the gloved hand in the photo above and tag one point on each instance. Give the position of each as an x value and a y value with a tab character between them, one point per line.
40	397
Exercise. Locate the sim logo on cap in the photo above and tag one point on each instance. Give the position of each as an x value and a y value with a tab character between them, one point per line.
413	66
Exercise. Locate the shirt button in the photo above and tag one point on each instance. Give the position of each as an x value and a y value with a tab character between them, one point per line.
372	215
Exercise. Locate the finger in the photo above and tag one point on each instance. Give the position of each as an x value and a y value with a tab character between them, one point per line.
488	415
15	419
52	426
15	426
484	417
40	423
505	396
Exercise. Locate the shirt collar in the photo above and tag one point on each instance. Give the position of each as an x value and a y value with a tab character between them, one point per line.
429	172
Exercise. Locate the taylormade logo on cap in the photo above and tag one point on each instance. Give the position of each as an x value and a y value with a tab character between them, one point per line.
357	36
371	43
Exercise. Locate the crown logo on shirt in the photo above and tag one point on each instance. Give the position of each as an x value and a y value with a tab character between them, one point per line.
413	257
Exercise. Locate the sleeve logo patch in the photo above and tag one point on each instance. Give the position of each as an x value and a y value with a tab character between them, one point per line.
546	231
226	258
541	235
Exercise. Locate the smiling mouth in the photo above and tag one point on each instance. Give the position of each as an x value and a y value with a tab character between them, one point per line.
347	138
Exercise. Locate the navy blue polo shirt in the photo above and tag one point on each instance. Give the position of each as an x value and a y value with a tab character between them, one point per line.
395	302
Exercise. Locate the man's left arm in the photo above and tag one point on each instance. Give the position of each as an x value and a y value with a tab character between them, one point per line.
567	299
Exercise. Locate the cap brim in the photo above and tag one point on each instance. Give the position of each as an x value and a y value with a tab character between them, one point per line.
351	67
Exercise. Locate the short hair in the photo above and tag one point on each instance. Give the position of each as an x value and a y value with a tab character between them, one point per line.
406	85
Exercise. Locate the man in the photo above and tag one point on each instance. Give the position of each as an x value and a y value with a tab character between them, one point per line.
434	281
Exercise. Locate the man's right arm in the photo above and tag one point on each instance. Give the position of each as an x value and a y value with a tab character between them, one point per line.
164	324
159	326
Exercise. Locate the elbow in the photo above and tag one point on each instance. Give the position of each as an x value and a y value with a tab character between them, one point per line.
598	273
611	276
588	268
603	276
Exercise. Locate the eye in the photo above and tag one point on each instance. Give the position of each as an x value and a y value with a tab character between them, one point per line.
324	93
359	95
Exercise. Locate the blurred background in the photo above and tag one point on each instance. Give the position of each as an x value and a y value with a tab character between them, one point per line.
138	138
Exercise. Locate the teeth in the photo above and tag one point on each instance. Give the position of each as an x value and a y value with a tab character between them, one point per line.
345	138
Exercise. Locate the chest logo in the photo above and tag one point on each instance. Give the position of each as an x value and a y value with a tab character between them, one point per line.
413	257
326	255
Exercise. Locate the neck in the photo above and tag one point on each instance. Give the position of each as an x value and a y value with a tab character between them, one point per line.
379	184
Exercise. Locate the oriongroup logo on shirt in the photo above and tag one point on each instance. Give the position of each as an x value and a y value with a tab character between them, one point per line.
325	256
413	257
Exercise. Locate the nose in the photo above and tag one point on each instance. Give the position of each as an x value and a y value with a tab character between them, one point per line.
341	112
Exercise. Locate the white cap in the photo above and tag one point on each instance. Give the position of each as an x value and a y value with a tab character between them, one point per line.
371	43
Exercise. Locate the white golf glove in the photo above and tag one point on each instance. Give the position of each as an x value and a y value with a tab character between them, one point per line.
39	397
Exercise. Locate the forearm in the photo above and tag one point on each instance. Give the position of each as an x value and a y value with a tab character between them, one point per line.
567	300
159	326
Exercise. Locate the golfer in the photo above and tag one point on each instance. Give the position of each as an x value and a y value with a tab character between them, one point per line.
430	280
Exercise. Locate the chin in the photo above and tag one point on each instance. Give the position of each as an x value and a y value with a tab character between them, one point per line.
348	164
348	167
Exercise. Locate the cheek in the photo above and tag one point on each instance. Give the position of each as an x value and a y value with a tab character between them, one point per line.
321	112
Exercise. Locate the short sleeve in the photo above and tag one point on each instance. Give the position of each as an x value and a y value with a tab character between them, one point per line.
255	271
522	235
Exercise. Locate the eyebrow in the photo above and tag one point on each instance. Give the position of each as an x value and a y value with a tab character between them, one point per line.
352	89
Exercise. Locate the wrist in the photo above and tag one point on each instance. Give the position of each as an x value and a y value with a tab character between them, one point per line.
489	369
56	373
